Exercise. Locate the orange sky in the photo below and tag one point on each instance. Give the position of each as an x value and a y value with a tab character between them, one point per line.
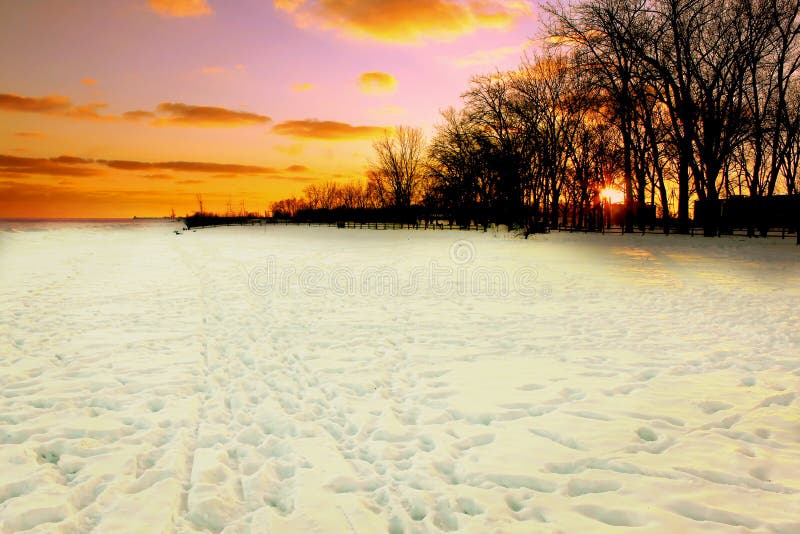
132	107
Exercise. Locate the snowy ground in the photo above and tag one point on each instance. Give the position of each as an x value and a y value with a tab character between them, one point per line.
322	380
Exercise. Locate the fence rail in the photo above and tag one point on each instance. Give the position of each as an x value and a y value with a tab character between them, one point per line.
782	233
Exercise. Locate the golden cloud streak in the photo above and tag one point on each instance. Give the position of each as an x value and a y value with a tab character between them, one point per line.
377	82
180	8
325	130
28	104
171	113
188	115
77	167
401	21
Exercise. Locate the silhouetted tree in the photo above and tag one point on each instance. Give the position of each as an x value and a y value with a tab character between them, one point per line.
398	166
457	167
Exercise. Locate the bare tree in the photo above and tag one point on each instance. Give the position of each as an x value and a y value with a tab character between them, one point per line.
594	29
503	140
552	100
457	167
397	170
352	195
288	207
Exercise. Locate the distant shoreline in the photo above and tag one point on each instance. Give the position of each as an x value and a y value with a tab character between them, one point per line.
85	219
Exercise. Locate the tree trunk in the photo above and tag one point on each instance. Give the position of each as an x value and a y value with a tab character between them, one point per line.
683	195
627	145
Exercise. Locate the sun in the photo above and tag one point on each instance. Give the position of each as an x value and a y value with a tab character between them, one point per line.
613	196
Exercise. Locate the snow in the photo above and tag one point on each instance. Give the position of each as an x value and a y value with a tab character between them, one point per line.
302	379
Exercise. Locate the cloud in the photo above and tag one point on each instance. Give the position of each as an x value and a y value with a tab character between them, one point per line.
302	87
297	168
180	8
377	82
402	21
187	166
172	113
60	166
90	111
54	105
138	115
289	6
89	81
72	160
75	166
327	130
28	104
35	135
188	115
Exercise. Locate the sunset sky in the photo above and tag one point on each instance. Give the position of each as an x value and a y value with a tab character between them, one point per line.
132	107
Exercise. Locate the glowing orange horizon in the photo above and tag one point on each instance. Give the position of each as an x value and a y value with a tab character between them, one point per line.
247	102
612	196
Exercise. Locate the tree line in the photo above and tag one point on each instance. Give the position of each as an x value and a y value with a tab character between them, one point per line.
668	100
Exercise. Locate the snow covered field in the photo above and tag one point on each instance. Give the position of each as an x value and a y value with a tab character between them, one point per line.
297	379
